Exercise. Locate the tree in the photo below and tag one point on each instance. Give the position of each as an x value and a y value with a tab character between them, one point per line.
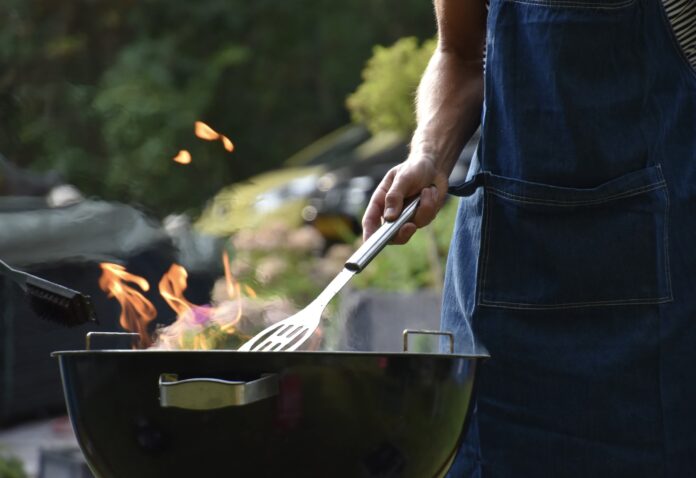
107	92
384	101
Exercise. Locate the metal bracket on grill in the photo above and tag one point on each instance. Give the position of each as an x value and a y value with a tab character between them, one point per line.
408	332
88	337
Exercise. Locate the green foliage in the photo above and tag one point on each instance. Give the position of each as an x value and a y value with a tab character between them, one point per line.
11	467
281	261
385	99
410	267
106	92
149	100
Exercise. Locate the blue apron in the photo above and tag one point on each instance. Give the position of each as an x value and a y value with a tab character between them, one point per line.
573	257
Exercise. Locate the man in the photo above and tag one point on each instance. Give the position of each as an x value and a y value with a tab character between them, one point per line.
573	257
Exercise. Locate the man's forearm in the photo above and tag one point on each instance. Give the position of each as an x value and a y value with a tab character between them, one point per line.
450	97
449	102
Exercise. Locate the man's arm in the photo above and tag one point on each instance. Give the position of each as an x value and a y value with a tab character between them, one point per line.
448	111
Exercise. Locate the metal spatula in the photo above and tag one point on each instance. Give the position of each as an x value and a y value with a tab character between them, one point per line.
291	333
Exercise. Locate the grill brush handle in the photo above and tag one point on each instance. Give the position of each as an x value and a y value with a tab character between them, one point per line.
213	393
376	242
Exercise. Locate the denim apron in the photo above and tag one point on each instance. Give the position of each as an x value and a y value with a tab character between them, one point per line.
573	259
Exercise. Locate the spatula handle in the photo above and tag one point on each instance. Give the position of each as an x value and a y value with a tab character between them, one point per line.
376	242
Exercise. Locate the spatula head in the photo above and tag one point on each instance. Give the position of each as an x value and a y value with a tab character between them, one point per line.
286	335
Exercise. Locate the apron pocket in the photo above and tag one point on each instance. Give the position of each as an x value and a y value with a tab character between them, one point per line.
547	247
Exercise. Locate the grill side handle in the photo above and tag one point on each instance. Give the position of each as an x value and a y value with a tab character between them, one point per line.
449	335
213	393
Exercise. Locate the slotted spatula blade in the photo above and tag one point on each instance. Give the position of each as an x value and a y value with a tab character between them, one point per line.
289	334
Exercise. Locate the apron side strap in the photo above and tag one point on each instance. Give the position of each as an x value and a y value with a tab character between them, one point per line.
467	188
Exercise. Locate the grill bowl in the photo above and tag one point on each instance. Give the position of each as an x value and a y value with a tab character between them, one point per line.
337	414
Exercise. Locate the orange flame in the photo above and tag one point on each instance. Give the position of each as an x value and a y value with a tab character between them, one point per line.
207	133
233	290
226	143
184	157
204	131
192	326
172	287
136	311
250	292
190	317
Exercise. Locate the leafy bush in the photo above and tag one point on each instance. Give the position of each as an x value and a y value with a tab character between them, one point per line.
148	102
417	264
385	102
385	99
11	467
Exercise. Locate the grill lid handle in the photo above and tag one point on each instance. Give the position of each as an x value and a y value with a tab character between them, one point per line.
213	393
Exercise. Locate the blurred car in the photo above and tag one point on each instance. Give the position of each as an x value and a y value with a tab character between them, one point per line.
277	195
326	184
342	193
17	182
281	194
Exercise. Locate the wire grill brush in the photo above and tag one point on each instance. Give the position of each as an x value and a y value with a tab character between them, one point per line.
51	301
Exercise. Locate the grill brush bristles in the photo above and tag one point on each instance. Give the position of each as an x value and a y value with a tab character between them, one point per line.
51	301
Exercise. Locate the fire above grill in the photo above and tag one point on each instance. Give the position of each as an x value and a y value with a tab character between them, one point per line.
150	413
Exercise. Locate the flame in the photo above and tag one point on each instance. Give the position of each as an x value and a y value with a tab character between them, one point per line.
233	291
190	317
136	311
200	327
314	342
197	327
172	287
231	284
207	133
234	287
250	292
226	143
184	157
203	131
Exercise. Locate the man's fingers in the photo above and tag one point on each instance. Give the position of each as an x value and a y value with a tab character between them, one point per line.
401	187
372	218
404	234
428	207
425	213
393	203
388	202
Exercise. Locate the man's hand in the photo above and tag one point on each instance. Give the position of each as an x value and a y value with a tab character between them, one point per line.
416	176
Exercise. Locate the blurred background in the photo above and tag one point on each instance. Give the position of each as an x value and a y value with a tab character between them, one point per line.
240	140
